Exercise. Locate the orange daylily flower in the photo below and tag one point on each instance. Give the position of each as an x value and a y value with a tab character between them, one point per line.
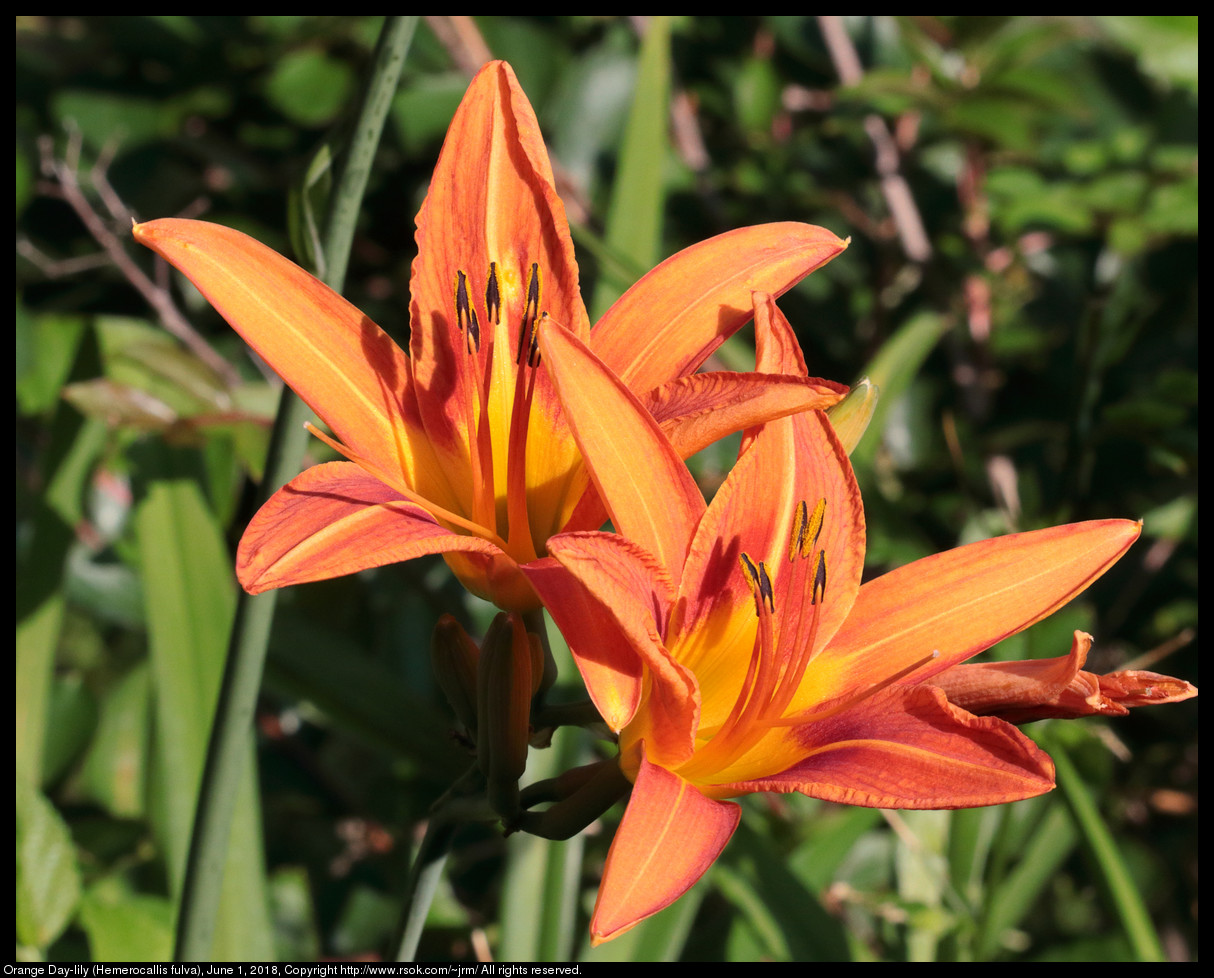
461	447
734	649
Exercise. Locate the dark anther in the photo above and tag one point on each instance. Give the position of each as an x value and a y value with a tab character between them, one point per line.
819	579
759	582
465	315
530	314
493	296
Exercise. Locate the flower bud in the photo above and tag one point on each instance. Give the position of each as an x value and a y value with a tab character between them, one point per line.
505	686
454	656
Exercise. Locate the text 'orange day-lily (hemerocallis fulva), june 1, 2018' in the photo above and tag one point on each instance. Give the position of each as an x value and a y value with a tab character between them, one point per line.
734	649
460	447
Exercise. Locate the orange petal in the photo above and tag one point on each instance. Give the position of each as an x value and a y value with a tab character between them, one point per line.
345	367
993	688
776	348
905	747
335	519
668	838
693	412
645	486
696	411
493	575
1136	687
611	600
962	601
667	324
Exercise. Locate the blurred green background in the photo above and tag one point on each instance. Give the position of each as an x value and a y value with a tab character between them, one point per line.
1021	282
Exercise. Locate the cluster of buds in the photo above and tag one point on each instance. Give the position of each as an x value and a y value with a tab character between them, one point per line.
496	691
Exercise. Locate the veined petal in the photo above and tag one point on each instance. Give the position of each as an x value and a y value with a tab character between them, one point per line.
669	836
345	367
493	198
776	348
696	411
335	519
963	601
645	486
611	600
904	747
696	299
693	412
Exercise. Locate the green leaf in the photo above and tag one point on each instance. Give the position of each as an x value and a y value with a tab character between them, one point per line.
190	595
124	926
48	879
115	770
634	220
782	913
309	86
1010	900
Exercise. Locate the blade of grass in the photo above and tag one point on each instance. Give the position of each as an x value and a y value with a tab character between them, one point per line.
66	466
250	633
190	599
1099	842
634	219
892	370
1011	898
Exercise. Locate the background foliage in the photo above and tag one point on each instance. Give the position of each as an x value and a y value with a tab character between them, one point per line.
1021	283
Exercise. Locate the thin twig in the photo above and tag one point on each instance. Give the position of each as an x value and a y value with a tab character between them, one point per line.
67	186
894	187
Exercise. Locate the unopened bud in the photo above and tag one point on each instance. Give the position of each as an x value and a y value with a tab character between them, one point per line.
454	656
504	687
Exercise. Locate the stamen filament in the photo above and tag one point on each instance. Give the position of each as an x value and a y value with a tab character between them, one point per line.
518	519
480	443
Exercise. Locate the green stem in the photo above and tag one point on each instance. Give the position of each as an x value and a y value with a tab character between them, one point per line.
232	725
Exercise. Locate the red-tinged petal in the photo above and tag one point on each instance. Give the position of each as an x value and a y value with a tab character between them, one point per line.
667	324
669	837
693	412
610	600
905	747
645	486
962	601
335	519
776	348
491	200
345	367
696	411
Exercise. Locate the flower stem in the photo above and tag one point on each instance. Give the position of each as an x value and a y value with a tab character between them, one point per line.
230	731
